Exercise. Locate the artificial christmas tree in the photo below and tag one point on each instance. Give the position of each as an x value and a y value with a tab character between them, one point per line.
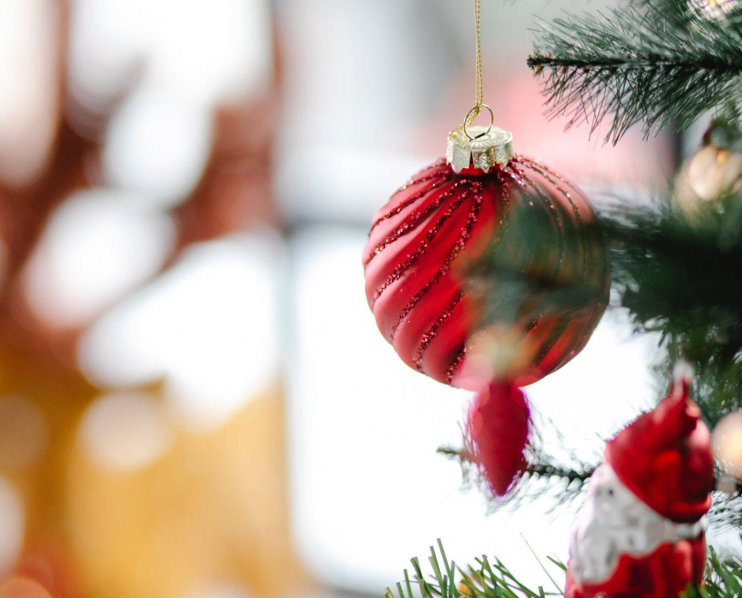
674	265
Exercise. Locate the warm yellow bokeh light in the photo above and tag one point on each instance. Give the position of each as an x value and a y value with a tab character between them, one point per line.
23	432
21	587
727	443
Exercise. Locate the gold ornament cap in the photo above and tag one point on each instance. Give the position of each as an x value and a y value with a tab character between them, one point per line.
480	147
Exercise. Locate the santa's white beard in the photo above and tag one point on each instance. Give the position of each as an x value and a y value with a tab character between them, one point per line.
614	522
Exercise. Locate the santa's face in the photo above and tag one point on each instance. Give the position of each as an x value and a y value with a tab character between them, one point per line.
614	505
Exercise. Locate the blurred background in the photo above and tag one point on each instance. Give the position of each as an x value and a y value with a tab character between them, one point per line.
194	399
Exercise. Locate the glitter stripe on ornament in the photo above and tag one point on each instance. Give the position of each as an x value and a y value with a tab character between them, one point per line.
414	219
412	258
505	203
536	325
441	178
550	176
458	247
439	165
456	364
432	332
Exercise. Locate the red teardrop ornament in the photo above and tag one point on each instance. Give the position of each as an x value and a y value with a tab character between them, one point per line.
499	425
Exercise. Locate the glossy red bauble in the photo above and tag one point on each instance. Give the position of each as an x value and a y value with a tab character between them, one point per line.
426	241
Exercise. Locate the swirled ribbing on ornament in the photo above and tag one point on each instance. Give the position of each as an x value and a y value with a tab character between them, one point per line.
419	215
400	269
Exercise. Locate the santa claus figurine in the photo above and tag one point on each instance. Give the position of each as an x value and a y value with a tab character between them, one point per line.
641	533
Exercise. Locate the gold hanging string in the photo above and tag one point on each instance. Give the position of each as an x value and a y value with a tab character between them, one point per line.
479	82
479	86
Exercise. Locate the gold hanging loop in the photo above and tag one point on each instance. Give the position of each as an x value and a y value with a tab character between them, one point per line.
469	120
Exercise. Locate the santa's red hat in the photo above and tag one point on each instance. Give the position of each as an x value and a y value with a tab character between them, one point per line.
664	457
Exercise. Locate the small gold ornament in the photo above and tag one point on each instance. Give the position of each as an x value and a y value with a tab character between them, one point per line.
727	444
713	170
716	10
705	177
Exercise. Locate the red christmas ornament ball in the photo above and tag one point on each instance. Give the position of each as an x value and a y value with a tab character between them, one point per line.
424	241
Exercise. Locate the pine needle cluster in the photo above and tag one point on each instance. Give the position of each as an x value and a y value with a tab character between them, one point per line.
652	63
491	578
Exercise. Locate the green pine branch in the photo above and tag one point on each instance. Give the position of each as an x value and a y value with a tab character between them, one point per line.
650	65
678	274
677	271
484	579
571	478
675	268
723	578
490	578
726	512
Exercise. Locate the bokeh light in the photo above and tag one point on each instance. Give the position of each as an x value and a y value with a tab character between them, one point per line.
23	432
125	431
21	587
208	328
98	245
208	54
727	444
225	591
28	38
157	146
12	525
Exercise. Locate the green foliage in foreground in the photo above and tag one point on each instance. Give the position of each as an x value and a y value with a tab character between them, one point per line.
487	578
484	579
